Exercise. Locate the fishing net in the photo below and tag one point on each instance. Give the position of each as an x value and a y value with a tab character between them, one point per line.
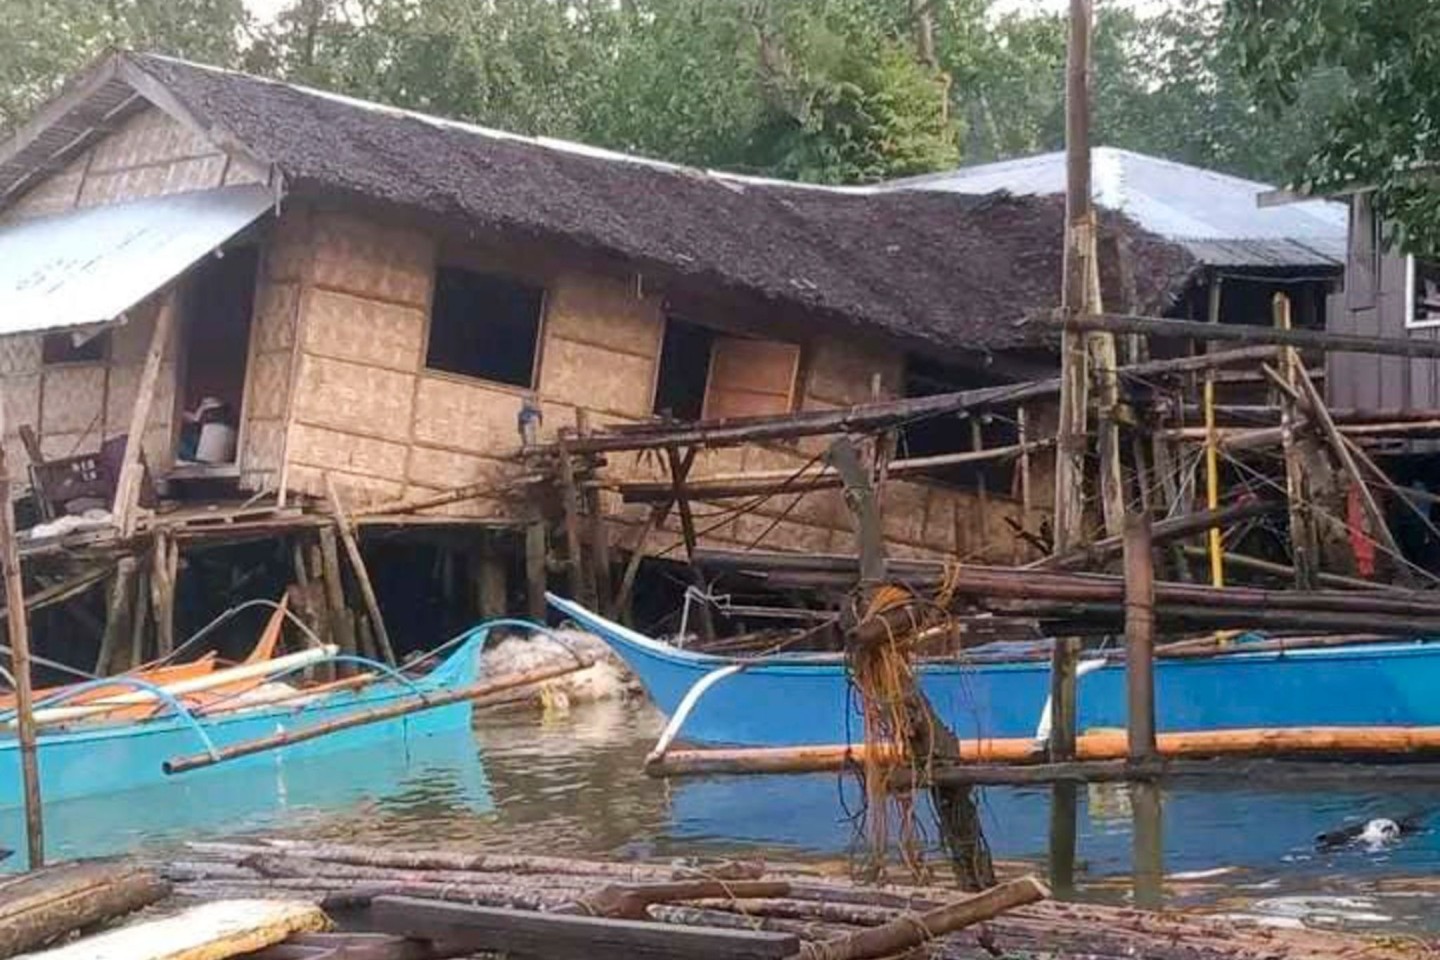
902	738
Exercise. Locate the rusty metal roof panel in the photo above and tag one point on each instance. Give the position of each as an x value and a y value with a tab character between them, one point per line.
90	266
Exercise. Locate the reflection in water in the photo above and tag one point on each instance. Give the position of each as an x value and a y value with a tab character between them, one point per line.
574	784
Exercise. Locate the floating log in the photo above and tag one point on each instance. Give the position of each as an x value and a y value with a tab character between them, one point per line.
43	905
524	933
1245	742
376	715
210	931
903	933
630	901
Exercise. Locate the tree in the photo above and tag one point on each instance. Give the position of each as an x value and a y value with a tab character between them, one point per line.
42	42
1382	132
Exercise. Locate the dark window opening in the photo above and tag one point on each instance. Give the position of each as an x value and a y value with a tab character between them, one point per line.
684	370
1424	293
75	348
484	326
937	436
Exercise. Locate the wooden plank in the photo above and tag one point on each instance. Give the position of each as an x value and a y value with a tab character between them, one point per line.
132	469
750	377
529	934
211	931
362	575
1254	334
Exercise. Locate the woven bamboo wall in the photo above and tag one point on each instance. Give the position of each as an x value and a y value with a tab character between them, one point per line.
149	155
73	406
368	412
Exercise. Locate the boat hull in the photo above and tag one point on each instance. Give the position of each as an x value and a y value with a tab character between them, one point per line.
98	760
788	701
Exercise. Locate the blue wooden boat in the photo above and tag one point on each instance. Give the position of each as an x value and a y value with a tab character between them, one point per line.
97	759
804	699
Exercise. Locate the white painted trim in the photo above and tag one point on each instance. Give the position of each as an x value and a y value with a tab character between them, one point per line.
1410	322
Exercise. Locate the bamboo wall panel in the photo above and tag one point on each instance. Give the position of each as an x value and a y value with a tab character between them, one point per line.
276	303
372	332
569	375
270	386
442	469
74	399
367	401
149	155
604	311
357	490
318	447
370	259
840	371
466	416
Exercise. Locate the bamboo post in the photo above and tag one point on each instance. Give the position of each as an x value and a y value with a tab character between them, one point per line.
1212	451
536	547
491	576
1140	636
18	627
982	487
581	585
362	576
1304	543
117	616
599	532
340	626
679	469
140	618
1027	499
132	469
162	594
1343	452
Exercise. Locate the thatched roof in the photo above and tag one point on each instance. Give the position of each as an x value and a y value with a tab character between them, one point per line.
957	272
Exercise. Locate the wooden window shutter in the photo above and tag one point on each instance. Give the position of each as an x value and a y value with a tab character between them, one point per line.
750	378
1362	266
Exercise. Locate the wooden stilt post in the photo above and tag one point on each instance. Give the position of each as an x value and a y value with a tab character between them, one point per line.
581	584
362	575
18	628
1304	542
982	489
1027	494
1212	451
1147	844
140	619
599	533
492	576
1140	636
930	740
536	548
340	626
162	594
117	618
679	468
132	469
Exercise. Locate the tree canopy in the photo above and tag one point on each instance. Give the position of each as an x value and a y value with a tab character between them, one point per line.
1383	131
820	90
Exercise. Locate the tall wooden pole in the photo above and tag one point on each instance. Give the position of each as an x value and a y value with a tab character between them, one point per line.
1140	636
19	631
1304	541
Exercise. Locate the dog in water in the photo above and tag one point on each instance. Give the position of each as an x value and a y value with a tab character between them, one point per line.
1374	833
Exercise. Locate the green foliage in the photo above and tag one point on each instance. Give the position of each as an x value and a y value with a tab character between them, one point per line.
1382	132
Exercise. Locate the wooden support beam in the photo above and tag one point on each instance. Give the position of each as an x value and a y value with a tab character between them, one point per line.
1304	541
536	576
1140	636
491	577
117	617
1315	406
581	584
759	482
17	625
679	470
132	466
599	531
1166	531
530	935
341	626
162	594
1254	334
357	566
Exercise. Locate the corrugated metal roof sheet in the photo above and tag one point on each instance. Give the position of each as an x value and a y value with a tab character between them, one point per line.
90	266
1213	214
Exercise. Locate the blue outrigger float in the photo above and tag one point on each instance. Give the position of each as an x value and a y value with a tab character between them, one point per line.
98	758
805	699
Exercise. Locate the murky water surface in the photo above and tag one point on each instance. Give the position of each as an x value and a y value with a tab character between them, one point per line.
573	784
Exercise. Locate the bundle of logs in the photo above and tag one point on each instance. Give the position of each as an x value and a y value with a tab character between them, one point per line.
1073	603
444	903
